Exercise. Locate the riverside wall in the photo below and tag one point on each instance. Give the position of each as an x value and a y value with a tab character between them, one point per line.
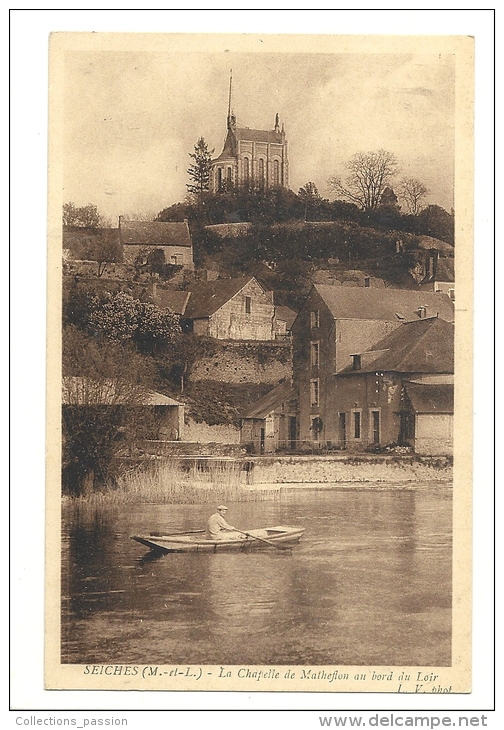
333	469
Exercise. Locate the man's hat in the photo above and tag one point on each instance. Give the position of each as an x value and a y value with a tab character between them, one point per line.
222	506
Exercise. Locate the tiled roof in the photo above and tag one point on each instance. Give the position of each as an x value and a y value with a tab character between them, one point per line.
430	398
428	242
258	135
78	237
77	390
175	301
424	346
209	296
154	233
246	135
285	314
273	399
445	270
390	305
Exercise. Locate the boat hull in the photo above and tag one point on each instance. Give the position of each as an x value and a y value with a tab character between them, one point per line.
281	536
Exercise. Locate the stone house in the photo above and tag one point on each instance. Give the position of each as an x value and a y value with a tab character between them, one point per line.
271	423
231	309
396	392
168	243
335	326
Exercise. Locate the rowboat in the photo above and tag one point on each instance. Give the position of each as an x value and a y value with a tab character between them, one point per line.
280	537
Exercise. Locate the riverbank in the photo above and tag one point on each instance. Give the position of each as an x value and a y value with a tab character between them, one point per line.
193	480
390	469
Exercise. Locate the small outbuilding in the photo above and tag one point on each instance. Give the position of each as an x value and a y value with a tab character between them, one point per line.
271	423
427	417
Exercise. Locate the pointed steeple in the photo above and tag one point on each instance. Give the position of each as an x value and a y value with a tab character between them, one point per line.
231	119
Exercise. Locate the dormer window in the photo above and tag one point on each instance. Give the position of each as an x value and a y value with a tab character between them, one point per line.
422	312
356	362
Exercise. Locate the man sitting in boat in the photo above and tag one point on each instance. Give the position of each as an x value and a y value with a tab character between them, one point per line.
217	525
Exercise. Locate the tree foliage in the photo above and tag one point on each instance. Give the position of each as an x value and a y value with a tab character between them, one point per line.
368	175
199	171
86	216
119	317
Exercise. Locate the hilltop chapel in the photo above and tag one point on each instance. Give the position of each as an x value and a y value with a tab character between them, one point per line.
251	157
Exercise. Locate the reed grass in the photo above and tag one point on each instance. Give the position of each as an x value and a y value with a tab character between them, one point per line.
171	483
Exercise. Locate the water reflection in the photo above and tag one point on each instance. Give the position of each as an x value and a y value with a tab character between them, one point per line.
370	583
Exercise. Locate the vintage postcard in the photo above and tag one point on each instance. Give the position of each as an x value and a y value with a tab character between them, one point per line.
259	382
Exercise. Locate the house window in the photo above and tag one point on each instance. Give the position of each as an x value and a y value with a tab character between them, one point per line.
314	354
314	319
246	170
248	305
367	281
219	179
173	260
356	424
357	362
422	312
451	294
229	177
314	392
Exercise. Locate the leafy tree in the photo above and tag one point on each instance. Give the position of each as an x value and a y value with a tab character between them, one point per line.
368	175
437	222
310	197
86	216
412	192
199	171
119	317
156	327
389	200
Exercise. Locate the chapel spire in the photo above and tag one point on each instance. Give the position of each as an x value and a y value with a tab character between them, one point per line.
231	119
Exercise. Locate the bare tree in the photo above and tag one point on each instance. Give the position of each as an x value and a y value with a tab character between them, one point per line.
368	175
412	192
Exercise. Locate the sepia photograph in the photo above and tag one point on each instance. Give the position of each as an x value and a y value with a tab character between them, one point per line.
259	378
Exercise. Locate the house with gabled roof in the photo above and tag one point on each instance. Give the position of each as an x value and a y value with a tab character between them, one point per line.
231	309
372	392
440	276
159	241
337	326
271	423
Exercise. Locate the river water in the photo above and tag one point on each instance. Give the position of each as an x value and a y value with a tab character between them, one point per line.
369	583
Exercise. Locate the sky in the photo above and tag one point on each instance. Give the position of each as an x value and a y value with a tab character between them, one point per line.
131	118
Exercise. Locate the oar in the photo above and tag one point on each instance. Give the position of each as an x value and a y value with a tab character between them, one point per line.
174	534
268	542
